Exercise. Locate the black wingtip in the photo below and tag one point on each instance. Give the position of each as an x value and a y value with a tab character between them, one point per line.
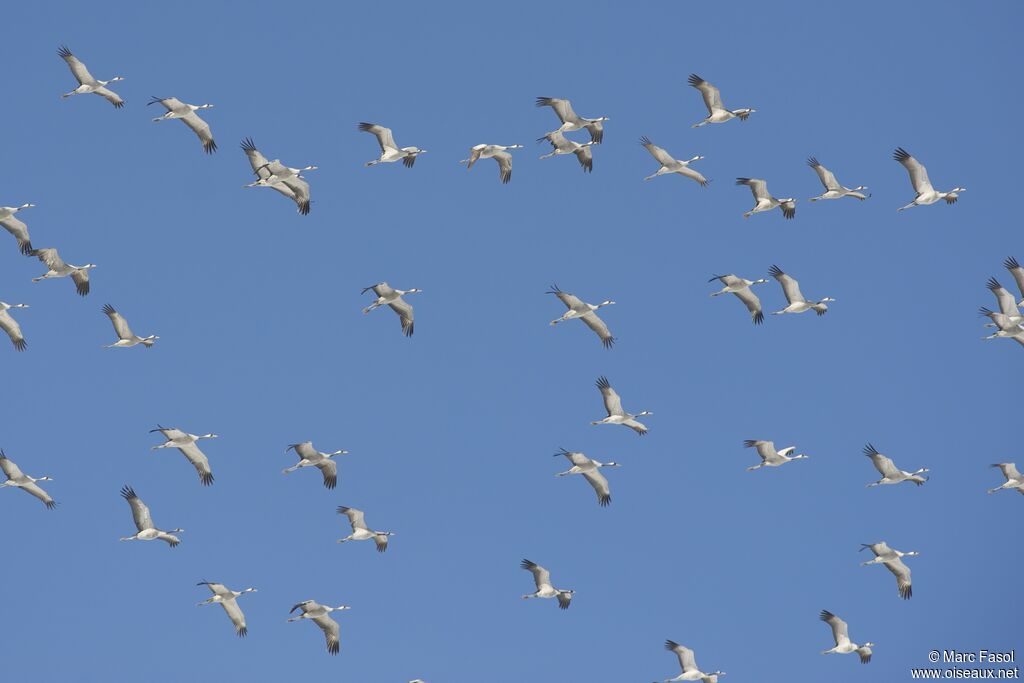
825	615
604	501
694	80
304	208
900	154
127	492
333	647
644	140
26	248
210	147
742	181
870	450
608	343
993	284
365	127
248	145
1010	263
330	482
758	318
603	383
775	271
108	309
906	592
242	632
51	505
527	564
206	478
64	52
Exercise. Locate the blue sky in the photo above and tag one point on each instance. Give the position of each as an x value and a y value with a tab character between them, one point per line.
450	432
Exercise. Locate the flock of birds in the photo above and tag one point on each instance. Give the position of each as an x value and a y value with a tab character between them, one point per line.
289	181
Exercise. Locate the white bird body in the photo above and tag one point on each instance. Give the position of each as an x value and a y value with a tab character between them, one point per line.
86	82
740	287
392	298
310	457
125	337
1017	271
688	664
590	469
361	532
585	312
771	457
890	473
616	414
9	325
186	445
176	109
320	615
18	479
227	598
16	227
563	145
1014	479
717	113
764	201
542	580
58	268
147	531
572	121
1007	303
669	164
926	194
833	189
390	152
892	559
497	152
797	302
841	635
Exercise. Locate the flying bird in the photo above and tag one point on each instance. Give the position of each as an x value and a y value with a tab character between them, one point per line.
585	312
797	302
1009	326
16	227
361	532
591	471
563	145
893	562
616	415
226	598
572	121
86	82
176	109
1006	302
497	152
9	325
186	445
833	190
740	287
926	194
717	113
125	336
771	457
1014	479
320	615
672	165
841	634
688	663
18	479
311	457
542	579
890	473
293	186
58	268
144	522
387	296
389	151
765	201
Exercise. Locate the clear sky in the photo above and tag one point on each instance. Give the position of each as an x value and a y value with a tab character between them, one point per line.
451	432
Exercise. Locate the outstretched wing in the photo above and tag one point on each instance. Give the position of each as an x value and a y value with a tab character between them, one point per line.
504	160
600	484
541	576
825	175
885	466
597	325
140	513
790	287
20	232
109	96
236	616
355	517
663	157
13	330
765	449
918	174
199	461
50	258
120	324
404	311
758	187
202	130
256	159
902	574
712	98
384	137
332	632
563	108
612	401
330	471
687	662
840	632
78	69
571	301
586	158
753	304
9	467
1017	271
300	193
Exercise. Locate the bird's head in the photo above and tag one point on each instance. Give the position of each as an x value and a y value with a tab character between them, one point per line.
205	106
607	302
19	305
115	79
177	531
209	436
340	608
611	464
868	645
88	266
45	478
912	553
800	456
414	290
860	187
250	590
25	206
603	118
759	282
828	298
515	147
958	189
